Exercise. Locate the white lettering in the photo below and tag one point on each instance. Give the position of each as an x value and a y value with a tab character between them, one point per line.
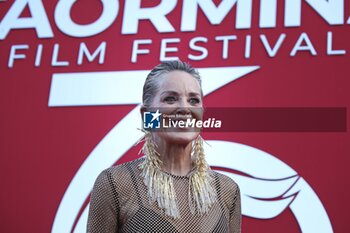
54	61
299	47
133	13
195	47
164	49
292	15
248	46
39	53
268	13
181	124
244	14
272	51
330	50
215	14
199	124
14	55
37	21
165	125
331	11
217	124
68	26
83	50
191	122
206	123
136	50
225	40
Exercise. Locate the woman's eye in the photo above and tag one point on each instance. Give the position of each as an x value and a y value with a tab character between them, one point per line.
194	101
170	99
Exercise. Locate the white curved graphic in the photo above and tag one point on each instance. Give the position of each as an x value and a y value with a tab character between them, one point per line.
270	186
266	182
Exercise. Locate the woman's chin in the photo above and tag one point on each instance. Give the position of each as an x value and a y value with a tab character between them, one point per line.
179	137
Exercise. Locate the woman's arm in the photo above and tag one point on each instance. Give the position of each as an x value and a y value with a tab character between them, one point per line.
104	205
235	213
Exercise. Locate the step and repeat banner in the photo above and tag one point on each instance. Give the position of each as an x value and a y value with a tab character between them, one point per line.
277	72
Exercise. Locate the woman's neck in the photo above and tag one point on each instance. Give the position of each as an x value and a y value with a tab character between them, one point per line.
176	158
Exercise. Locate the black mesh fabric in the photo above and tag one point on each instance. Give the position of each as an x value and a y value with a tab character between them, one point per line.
119	203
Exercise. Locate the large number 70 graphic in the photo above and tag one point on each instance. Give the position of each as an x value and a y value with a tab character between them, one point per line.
272	186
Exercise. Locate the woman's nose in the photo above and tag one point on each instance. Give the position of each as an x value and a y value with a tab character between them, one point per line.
183	107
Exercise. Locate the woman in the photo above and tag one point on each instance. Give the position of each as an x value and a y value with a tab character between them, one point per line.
171	188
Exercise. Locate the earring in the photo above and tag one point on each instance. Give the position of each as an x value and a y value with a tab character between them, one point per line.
201	191
160	185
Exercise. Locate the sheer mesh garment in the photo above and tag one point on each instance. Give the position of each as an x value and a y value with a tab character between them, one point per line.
119	203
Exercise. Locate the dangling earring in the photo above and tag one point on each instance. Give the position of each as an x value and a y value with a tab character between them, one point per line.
149	149
160	185
201	191
201	194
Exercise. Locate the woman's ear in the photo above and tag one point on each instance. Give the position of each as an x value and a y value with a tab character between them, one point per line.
142	110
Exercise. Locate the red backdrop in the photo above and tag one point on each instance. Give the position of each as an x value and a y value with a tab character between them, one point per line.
43	147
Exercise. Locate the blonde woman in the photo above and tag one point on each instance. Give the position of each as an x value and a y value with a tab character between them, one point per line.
171	188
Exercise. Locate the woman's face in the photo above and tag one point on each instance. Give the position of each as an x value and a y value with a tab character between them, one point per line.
178	98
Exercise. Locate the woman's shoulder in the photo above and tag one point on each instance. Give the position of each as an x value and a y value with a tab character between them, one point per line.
226	183
227	189
118	180
126	167
119	174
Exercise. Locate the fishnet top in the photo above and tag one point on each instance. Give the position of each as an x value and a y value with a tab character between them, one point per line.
119	203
